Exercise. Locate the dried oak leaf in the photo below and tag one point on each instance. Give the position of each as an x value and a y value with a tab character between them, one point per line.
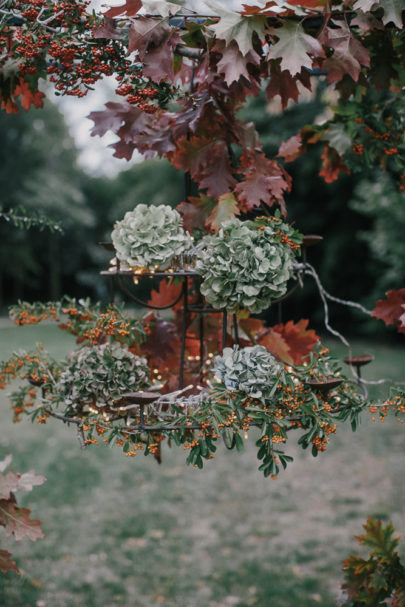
8	483
6	564
332	164
17	521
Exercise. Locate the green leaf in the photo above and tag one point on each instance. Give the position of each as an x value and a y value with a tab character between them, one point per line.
338	138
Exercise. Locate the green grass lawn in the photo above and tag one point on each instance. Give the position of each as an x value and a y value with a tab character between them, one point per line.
127	532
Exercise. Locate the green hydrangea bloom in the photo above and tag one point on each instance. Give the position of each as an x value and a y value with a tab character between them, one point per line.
150	236
94	375
246	265
249	370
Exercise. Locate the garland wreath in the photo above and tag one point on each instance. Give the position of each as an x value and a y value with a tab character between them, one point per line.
106	390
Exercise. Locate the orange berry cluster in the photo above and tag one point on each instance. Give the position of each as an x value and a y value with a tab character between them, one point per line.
58	38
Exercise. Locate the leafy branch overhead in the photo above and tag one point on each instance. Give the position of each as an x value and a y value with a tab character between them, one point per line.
208	67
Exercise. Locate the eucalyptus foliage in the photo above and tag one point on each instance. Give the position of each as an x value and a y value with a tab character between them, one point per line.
247	264
150	237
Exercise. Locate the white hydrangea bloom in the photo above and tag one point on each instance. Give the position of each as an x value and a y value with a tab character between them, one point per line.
97	374
248	370
150	236
245	266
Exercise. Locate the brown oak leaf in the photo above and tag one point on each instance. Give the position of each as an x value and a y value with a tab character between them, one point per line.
6	564
17	521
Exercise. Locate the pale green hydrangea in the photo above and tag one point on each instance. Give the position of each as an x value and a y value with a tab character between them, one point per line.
246	265
95	375
249	370
150	236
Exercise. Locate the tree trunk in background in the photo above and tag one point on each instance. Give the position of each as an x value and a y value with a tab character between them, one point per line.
54	267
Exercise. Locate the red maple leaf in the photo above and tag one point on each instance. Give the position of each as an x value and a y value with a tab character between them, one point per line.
309	3
282	83
263	181
348	56
128	9
28	97
208	162
392	309
276	344
267	9
299	339
332	164
291	149
154	42
196	212
166	293
9	105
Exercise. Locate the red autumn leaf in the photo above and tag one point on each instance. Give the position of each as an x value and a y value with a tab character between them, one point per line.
208	163
196	212
332	164
348	56
392	309
154	43
17	521
6	564
114	116
309	3
162	339
267	9
28	97
10	106
108	30
263	181
165	294
282	83
299	339
250	329
128	9
276	344
233	64
291	149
